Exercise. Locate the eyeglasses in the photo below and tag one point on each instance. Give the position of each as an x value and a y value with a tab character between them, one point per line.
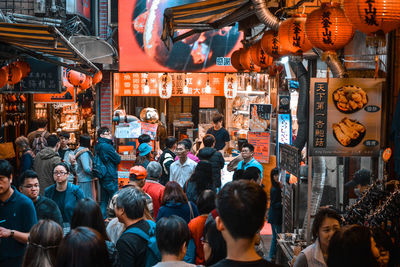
30	186
59	173
203	240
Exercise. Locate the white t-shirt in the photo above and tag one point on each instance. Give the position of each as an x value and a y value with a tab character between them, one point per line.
181	173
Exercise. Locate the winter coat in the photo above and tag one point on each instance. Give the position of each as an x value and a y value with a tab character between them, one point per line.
109	157
43	165
217	162
275	207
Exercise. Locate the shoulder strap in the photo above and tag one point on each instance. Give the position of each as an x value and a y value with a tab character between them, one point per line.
191	211
80	152
140	232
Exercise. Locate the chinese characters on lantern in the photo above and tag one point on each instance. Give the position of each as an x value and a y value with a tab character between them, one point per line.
326	25
370	13
275	44
320	114
296	36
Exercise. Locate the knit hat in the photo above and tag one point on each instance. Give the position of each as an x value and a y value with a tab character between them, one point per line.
144	149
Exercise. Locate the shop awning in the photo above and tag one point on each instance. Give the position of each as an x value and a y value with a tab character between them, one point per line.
39	41
203	16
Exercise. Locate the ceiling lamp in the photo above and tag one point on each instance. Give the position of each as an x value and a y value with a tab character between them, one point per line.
87	83
235	60
14	74
373	16
165	86
230	86
246	62
207	89
24	66
185	87
292	35
328	29
146	88
271	45
75	78
259	57
97	77
3	77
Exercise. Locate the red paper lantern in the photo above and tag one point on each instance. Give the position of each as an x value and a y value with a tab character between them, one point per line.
97	77
246	62
14	74
87	83
75	78
327	27
271	45
3	77
292	34
24	66
373	16
259	57
235	60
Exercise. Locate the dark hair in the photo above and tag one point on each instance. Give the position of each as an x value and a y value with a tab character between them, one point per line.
275	171
102	130
251	174
5	168
241	143
351	247
202	176
173	192
141	160
249	146
65	165
83	247
241	206
208	140
133	201
88	213
189	142
320	217
217	118
172	233
84	140
383	240
65	135
186	145
144	138
170	142
43	241
52	140
206	201
41	123
216	242
28	174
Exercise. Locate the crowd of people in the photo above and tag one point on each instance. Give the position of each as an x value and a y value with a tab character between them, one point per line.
173	212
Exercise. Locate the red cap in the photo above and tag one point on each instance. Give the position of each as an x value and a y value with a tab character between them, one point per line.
139	171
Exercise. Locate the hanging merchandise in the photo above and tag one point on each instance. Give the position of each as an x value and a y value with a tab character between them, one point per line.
14	74
230	86
75	78
271	44
3	77
97	77
246	61
165	86
373	16
292	34
235	60
24	66
259	57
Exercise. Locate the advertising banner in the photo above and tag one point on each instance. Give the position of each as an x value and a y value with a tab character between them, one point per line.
284	129
261	142
260	117
141	48
132	84
345	117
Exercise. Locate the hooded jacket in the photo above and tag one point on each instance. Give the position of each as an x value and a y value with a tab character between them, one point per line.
217	162
43	165
109	157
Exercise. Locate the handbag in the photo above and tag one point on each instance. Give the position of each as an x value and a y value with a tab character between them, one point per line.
7	150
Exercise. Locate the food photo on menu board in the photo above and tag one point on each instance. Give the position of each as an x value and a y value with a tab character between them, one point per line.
346	117
260	117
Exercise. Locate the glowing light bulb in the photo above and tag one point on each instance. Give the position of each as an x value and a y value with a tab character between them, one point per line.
207	89
185	89
146	88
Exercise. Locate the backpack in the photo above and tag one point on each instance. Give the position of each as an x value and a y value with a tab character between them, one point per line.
99	170
153	255
39	142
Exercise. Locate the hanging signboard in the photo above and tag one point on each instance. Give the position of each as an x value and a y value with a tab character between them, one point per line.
284	129
261	143
346	117
66	97
289	159
132	84
260	117
141	48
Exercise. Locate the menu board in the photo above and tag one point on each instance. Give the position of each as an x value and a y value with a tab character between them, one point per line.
261	142
289	159
260	117
346	118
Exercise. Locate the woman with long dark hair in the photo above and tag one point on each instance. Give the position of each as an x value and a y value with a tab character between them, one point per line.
83	247
83	168
200	180
43	241
27	155
214	244
175	202
87	213
275	210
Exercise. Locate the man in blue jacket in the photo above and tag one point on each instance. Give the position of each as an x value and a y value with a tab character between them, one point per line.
110	158
249	160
